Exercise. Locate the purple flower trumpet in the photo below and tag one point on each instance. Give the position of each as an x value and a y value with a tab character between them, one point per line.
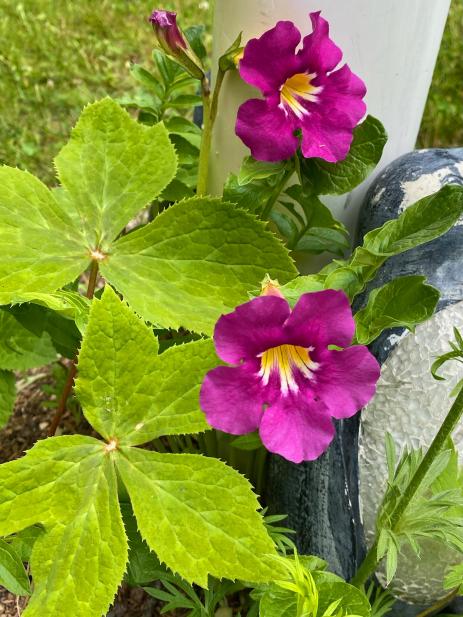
305	98
285	378
174	43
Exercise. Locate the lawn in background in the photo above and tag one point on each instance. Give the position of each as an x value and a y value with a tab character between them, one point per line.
57	56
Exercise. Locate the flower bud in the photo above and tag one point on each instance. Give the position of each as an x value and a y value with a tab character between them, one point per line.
173	42
270	287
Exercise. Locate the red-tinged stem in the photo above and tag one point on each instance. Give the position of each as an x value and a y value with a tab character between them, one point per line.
73	369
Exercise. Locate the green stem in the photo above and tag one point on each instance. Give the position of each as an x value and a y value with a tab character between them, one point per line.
210	108
276	193
297	165
440	604
370	562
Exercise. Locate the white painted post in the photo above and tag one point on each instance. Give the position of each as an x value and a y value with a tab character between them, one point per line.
391	44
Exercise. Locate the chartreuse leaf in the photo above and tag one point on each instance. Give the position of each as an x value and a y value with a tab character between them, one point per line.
130	392
78	564
13	576
7	396
422	222
43	486
69	304
112	167
196	260
20	348
322	178
198	515
40	248
405	301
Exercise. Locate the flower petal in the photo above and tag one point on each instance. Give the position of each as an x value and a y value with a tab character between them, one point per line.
230	398
251	328
344	91
346	380
326	138
296	429
319	53
270	59
266	130
321	318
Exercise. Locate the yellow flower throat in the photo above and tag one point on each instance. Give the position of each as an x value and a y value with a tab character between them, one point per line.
286	360
298	87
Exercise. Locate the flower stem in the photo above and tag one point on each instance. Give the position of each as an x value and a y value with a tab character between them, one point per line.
370	562
276	193
73	369
210	107
437	606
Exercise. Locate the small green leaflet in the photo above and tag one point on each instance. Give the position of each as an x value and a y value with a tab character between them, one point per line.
155	394
21	348
7	396
196	260
454	578
406	301
311	593
13	576
199	515
322	178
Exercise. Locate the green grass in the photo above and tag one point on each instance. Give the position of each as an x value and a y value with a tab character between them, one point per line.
57	56
443	118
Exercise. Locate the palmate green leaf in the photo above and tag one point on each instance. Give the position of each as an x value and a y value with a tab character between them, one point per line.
406	301
7	396
198	515
78	565
13	576
196	260
112	167
20	348
130	392
40	247
322	178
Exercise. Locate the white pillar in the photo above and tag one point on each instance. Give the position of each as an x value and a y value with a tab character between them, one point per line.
391	44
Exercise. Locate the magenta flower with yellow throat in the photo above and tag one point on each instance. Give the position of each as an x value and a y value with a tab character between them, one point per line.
306	101
284	378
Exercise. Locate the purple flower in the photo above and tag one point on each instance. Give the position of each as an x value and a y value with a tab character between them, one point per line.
284	379
302	93
173	43
166	29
